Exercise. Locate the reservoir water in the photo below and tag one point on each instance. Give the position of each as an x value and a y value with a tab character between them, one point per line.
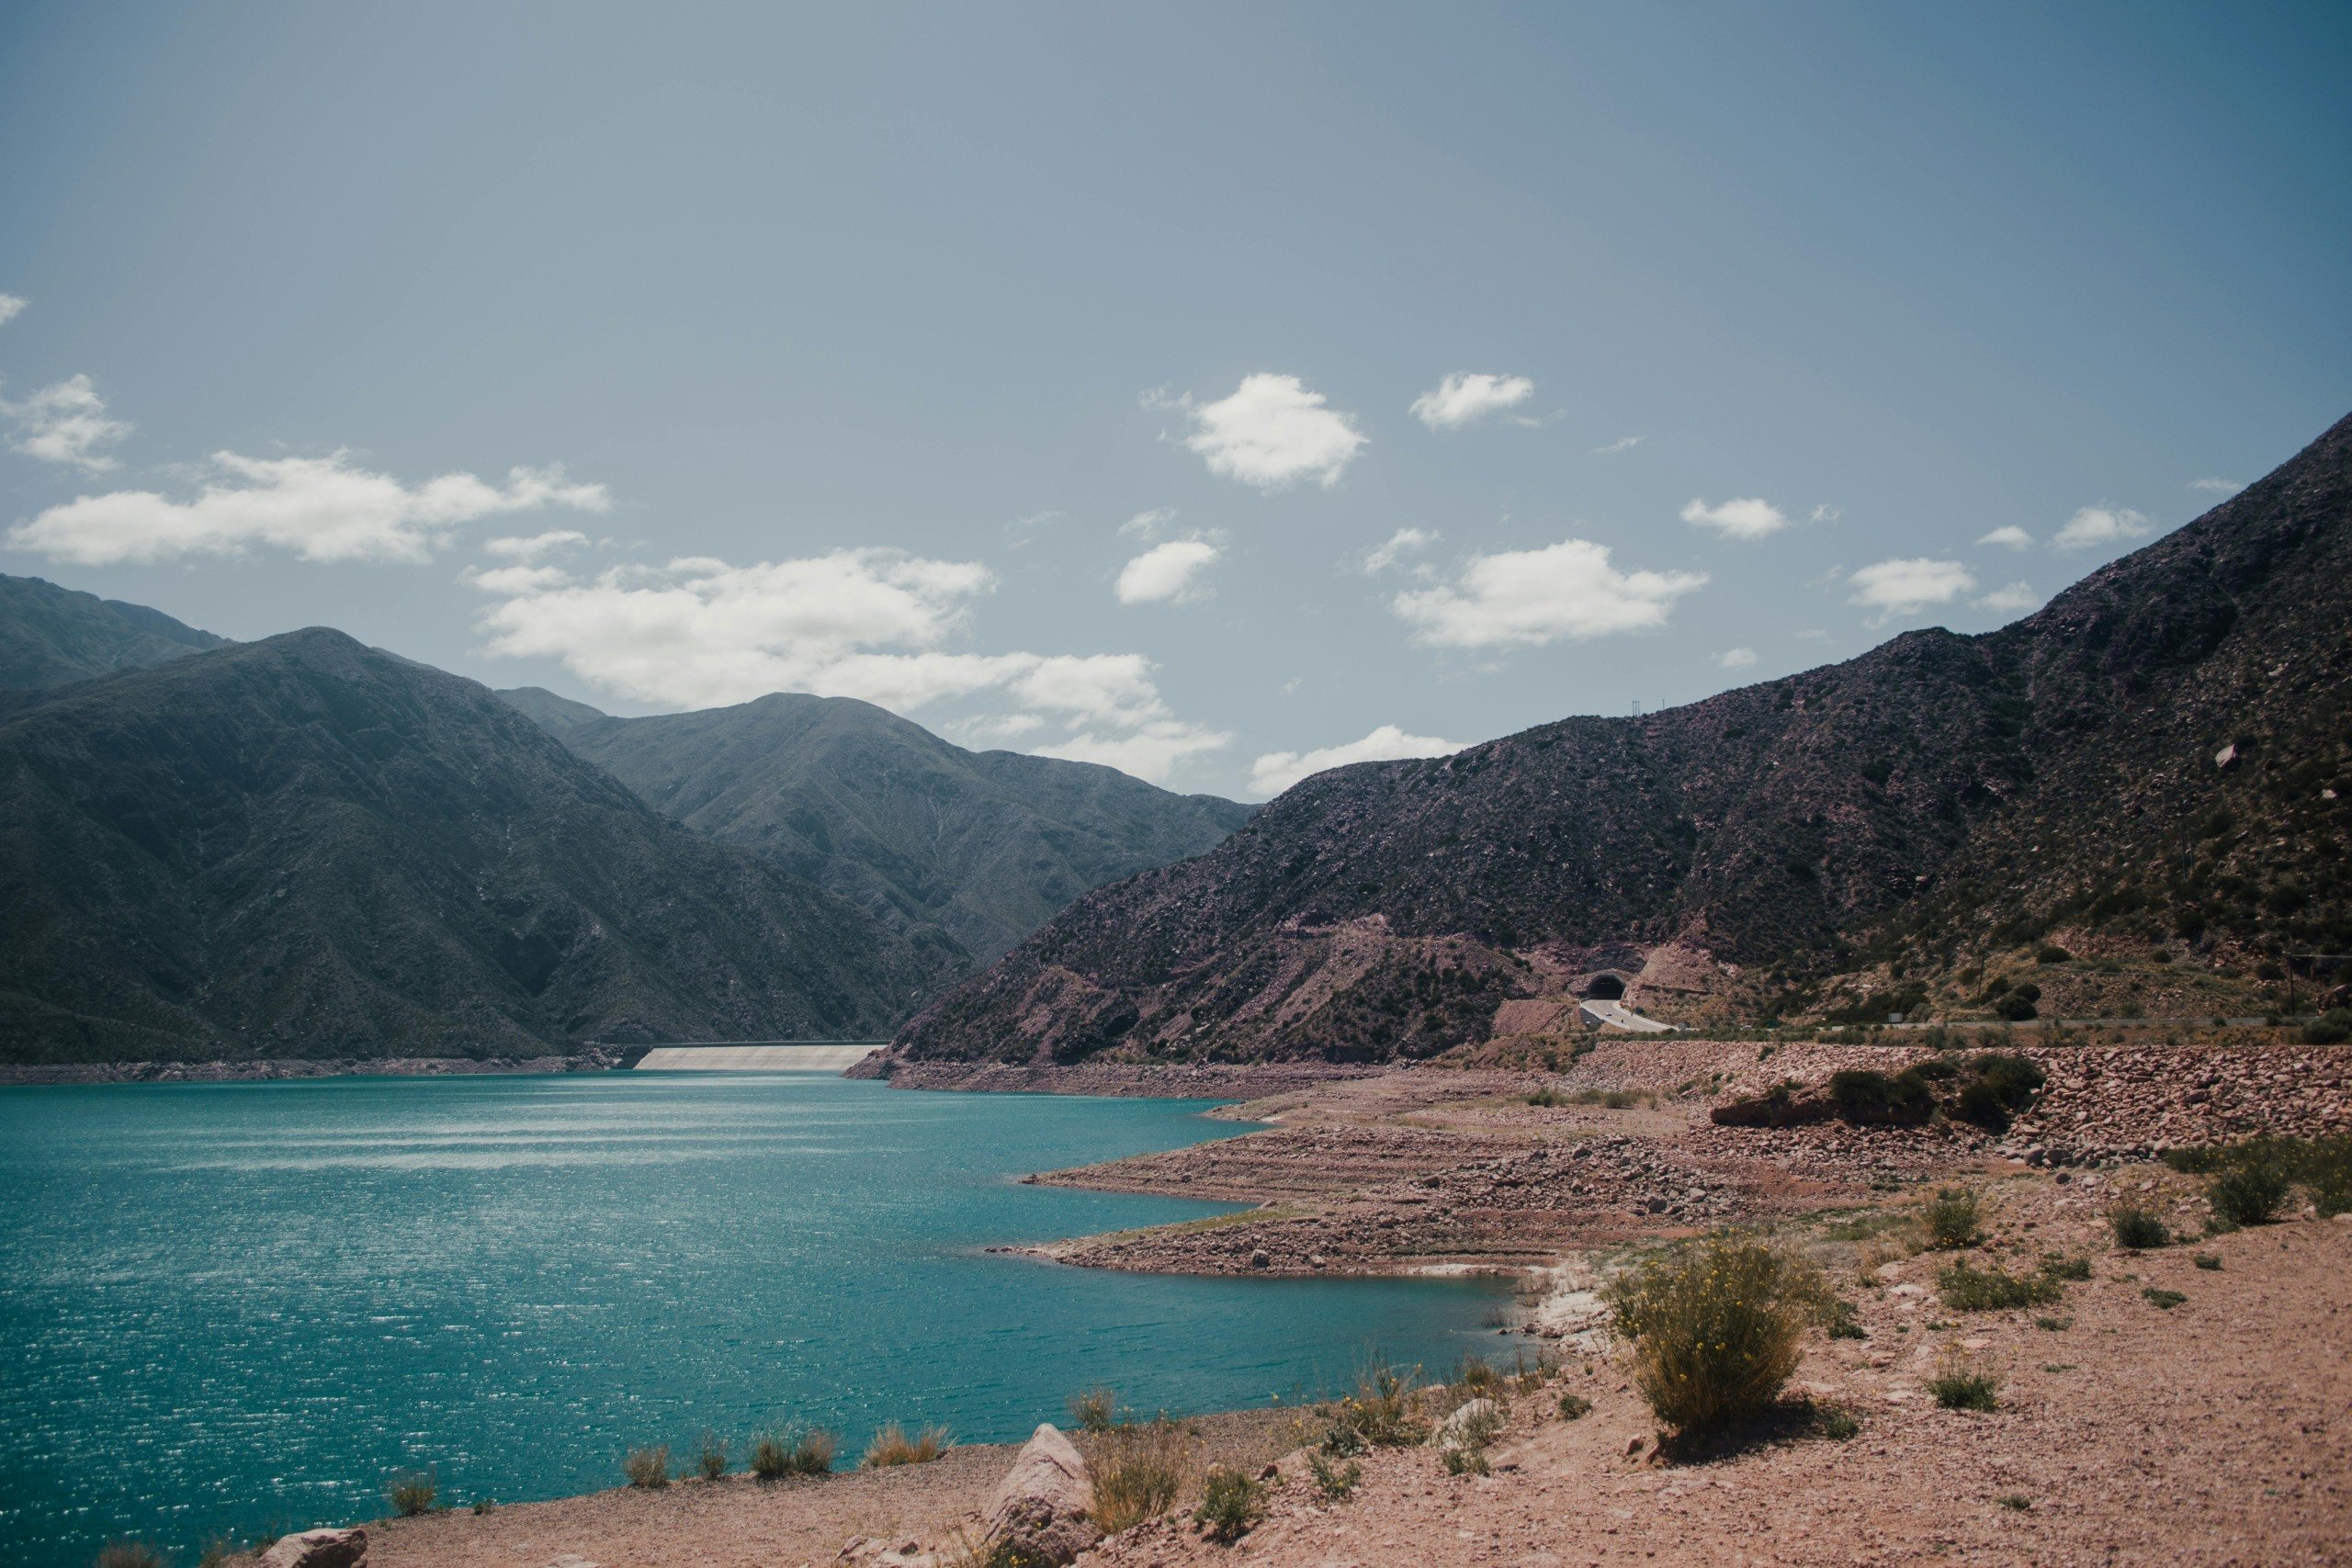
235	1307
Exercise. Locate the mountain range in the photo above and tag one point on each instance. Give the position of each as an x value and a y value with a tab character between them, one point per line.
2156	765
304	847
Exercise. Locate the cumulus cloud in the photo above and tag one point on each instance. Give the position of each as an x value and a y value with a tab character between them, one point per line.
536	545
1167	574
66	423
2210	486
873	624
1277	771
1622	443
1531	597
1146	525
2009	536
1737	657
2009	600
2093	526
1272	433
1467	396
1402	543
1752	519
11	306
1906	587
323	509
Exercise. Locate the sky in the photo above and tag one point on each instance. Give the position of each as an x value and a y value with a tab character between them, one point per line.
1217	391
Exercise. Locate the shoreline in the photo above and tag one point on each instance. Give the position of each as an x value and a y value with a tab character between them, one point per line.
596	1059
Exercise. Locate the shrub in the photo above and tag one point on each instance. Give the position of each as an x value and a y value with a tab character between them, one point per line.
2250	1191
1383	1412
411	1492
2327	1171
2333	1027
1951	1218
1867	1098
1136	1476
2165	1299
2205	1261
1476	1378
891	1446
2052	955
648	1468
1961	1384
1336	1482
1994	1290
2066	1268
1231	1505
1839	1425
1841	1321
216	1551
1716	1329
2136	1229
1575	1408
484	1505
1545	1097
129	1554
1096	1410
775	1455
711	1456
2053	1324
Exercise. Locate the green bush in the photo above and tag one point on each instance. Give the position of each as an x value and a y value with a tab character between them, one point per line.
1383	1412
1716	1329
1951	1218
1575	1408
649	1467
1841	1321
1869	1098
775	1455
411	1492
2333	1027
1231	1505
2166	1300
1096	1410
1336	1482
2058	1268
1994	1290
1839	1425
1961	1384
2136	1229
2248	1191
711	1456
2207	1261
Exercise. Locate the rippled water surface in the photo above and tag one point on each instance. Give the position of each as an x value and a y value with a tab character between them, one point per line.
231	1306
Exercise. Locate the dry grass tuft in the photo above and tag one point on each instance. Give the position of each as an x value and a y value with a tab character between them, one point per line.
891	1446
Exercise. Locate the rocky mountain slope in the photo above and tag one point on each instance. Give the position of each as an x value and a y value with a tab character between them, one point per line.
303	847
987	846
52	636
2157	764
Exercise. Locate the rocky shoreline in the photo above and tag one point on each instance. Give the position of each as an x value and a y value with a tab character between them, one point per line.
1184	1081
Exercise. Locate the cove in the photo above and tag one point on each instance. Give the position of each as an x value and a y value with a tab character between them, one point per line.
237	1306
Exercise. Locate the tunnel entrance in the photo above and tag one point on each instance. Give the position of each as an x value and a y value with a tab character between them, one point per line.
1605	989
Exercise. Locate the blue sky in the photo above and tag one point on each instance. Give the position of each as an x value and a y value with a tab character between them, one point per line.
1077	378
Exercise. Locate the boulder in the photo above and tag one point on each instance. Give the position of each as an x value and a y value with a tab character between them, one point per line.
318	1549
1043	1512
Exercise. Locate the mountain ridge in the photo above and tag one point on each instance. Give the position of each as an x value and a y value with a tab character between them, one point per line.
1850	838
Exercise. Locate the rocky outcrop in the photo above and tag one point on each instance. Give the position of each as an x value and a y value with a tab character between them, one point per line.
318	1549
1044	1511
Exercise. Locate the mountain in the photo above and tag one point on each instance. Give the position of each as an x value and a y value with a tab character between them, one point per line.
52	636
984	845
549	712
2159	763
303	847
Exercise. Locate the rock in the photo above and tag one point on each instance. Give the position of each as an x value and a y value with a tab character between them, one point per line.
318	1549
1043	1510
1258	1260
1454	1431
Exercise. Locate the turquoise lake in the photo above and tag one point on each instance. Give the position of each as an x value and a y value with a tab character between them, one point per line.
237	1306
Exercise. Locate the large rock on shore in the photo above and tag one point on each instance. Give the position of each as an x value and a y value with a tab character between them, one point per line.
318	1549
1044	1511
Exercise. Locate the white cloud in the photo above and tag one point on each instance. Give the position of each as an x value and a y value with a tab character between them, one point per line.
2010	536
2011	599
872	624
1752	519
1812	633
1518	597
1167	574
1466	396
1826	513
535	545
1622	443
1402	543
1146	525
2095	525
320	508
11	306
1906	587
1272	432
2210	486
66	423
1277	771
1737	657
